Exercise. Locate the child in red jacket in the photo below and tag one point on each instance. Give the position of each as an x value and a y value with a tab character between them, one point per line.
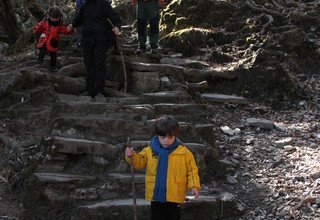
49	29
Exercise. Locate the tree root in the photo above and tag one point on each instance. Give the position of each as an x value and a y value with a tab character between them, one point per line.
268	24
262	9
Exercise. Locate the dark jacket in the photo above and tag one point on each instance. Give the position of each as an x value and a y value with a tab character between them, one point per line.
93	17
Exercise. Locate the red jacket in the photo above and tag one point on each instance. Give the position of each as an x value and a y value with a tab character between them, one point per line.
50	34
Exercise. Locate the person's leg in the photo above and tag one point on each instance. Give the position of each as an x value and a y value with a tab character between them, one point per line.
172	211
157	211
53	59
88	58
42	53
100	63
142	23
154	32
153	15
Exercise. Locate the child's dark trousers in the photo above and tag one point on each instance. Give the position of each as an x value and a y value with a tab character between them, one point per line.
42	53
165	211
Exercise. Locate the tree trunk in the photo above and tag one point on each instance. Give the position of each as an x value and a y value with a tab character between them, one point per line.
8	21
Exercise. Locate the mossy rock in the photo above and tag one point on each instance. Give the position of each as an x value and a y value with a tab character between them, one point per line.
188	41
182	13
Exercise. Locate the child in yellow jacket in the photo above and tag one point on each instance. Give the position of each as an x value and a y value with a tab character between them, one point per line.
170	170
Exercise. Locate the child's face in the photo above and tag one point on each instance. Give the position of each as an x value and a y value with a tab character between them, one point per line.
166	141
54	19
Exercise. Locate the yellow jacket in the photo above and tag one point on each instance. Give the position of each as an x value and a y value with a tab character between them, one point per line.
182	172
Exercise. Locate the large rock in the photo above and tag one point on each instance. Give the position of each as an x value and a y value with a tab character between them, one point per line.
145	82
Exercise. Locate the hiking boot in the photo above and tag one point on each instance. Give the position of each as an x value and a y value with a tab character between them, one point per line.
140	51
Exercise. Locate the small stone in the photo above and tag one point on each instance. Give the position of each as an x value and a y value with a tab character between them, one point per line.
226	130
100	161
260	123
237	131
278	159
227	197
288	148
284	141
280	127
232	180
313	146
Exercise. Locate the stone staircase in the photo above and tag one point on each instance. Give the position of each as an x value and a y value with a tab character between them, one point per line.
84	174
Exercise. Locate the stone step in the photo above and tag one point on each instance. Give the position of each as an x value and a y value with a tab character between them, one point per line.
166	97
204	207
66	97
82	146
104	110
161	68
221	98
114	100
125	100
53	178
181	109
113	209
85	108
191	132
139	111
46	192
122	183
107	130
188	74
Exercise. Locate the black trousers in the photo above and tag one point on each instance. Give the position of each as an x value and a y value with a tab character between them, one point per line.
42	53
165	211
94	56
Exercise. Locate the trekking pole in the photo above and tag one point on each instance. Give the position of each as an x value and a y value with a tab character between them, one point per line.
122	60
133	183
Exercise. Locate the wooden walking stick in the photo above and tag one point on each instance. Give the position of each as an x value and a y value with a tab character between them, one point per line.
133	182
122	61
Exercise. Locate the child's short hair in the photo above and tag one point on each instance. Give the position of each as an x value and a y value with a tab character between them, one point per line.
166	125
55	12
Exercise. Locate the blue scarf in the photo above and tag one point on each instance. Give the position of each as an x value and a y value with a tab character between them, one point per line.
160	188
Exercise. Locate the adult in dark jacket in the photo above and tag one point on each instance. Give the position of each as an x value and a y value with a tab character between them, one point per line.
96	37
77	36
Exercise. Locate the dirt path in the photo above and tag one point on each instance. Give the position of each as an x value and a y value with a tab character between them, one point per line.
277	171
